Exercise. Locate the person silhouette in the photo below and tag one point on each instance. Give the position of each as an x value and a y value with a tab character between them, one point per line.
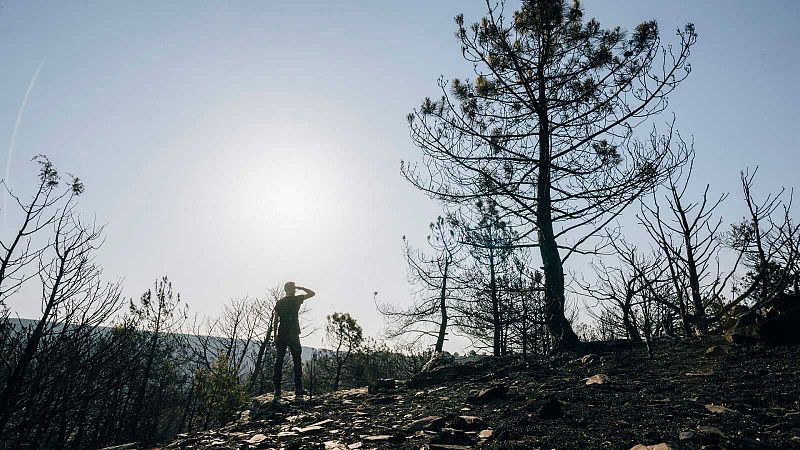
286	329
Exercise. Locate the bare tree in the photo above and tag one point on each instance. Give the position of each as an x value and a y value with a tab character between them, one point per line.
621	289
547	128
74	300
688	238
769	241
346	335
436	277
158	313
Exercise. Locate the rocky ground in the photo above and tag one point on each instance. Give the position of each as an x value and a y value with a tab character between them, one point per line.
698	393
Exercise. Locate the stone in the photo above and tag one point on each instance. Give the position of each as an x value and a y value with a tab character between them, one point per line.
551	409
486	434
311	429
434	446
256	439
451	436
382	385
703	435
378	438
130	445
430	423
489	394
719	409
661	446
705	373
777	322
334	445
355	445
591	358
467	423
383	400
686	435
600	378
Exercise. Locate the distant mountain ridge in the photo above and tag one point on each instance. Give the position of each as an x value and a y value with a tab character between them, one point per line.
307	354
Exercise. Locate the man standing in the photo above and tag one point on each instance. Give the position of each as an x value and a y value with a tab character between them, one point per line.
286	326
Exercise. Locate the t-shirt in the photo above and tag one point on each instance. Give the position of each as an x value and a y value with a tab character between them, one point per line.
288	310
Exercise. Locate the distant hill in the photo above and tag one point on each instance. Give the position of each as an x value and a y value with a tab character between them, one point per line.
307	354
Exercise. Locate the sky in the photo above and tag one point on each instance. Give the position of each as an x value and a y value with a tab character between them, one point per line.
236	145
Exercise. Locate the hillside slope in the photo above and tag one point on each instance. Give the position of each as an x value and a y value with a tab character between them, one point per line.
698	393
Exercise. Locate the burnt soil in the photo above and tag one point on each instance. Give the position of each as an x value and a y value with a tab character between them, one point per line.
733	396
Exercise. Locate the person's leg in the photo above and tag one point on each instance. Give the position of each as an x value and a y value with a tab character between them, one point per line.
297	351
280	353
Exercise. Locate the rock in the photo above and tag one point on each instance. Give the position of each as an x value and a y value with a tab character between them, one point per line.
383	385
434	446
777	322
686	435
600	378
489	394
378	438
591	358
714	351
383	400
321	423
451	436
311	429
486	434
795	440
467	423
334	445
355	445
709	431
703	435
256	439
430	423
130	445
439	359
551	409
719	409
661	446
445	374
705	373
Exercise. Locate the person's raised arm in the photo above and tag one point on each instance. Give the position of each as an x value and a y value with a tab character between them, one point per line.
308	292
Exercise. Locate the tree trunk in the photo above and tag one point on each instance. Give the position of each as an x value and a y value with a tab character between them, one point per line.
495	305
630	328
557	323
443	308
